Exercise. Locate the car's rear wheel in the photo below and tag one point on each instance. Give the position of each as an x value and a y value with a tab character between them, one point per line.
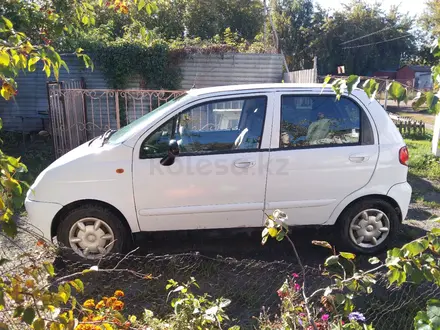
92	232
368	226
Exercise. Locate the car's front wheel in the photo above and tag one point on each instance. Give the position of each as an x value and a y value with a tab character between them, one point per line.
91	232
368	226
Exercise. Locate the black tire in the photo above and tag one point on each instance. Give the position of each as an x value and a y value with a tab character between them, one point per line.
349	214
122	237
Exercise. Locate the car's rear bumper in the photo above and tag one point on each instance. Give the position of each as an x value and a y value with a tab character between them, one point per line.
401	193
41	215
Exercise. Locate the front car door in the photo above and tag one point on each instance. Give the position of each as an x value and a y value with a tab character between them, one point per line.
218	180
322	151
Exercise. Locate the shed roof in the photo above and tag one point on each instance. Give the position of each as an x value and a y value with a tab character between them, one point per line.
419	68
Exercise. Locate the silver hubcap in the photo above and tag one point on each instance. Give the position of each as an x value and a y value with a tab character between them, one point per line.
369	228
91	238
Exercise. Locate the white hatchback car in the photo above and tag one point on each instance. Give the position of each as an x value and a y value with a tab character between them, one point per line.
223	157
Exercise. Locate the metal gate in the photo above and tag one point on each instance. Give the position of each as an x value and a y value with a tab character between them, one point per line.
78	114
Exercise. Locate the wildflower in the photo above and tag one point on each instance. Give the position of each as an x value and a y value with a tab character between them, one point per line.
89	303
325	317
295	275
118	305
119	293
356	316
110	301
100	305
297	287
302	314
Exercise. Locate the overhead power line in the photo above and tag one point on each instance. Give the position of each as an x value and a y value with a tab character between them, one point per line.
367	35
377	43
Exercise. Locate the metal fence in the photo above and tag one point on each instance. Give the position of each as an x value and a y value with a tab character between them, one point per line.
78	114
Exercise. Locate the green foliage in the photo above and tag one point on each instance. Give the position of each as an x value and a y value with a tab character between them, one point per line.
205	19
120	60
429	319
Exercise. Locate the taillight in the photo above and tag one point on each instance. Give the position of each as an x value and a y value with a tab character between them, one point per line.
404	156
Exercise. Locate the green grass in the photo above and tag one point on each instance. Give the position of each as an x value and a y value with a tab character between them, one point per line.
422	162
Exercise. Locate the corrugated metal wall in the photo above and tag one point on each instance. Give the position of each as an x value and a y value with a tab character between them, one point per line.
201	70
231	69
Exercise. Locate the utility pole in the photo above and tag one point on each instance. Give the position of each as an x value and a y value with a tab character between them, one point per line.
275	37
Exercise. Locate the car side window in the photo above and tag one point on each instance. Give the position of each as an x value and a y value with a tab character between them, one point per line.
322	121
212	127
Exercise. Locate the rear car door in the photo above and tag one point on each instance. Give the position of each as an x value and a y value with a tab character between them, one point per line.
219	178
322	151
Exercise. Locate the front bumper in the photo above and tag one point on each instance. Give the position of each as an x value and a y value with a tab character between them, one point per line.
41	215
401	193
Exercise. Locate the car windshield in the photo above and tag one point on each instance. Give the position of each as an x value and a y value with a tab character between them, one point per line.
125	132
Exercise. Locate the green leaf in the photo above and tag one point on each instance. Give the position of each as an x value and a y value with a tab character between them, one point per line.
32	63
331	260
419	100
65	66
46	69
431	101
49	268
280	236
374	260
148	9
2	300
8	23
28	315
141	4
347	255
18	311
4	58
414	248
397	92
436	231
38	324
85	20
326	80
393	275
351	82
371	87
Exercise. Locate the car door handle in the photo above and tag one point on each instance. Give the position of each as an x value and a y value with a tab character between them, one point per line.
359	158
244	163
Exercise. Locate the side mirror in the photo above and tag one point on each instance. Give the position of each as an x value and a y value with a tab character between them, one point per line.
173	152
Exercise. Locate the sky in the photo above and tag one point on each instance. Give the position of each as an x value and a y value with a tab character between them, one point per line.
412	6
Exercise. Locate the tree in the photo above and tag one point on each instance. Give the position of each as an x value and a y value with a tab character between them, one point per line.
294	23
364	38
430	19
207	18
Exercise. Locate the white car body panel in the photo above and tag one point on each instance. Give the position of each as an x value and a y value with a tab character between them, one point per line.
319	184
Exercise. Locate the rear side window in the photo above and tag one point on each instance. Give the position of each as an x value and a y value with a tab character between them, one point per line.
314	121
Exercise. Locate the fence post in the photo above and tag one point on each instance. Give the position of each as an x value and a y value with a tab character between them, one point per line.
315	69
386	94
118	119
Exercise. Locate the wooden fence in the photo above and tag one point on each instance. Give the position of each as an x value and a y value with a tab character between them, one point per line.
407	125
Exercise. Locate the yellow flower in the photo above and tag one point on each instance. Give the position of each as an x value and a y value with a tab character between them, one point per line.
110	301
89	303
119	293
100	305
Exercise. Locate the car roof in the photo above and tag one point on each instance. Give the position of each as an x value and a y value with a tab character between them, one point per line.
257	87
